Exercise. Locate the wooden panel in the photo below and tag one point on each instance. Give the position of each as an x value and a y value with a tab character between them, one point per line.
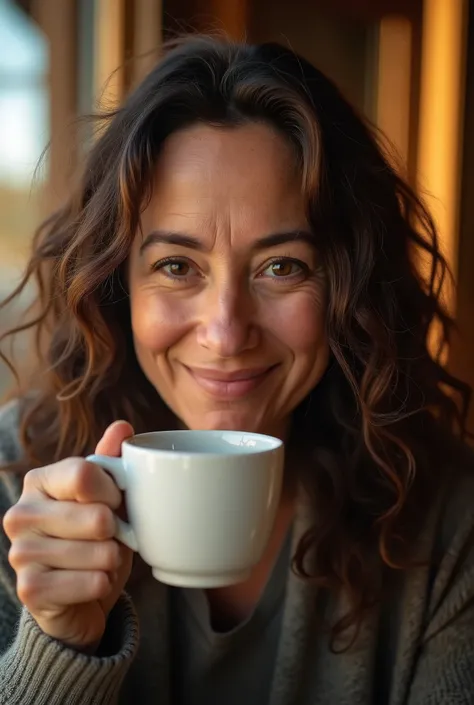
440	122
394	82
229	16
58	22
462	355
109	51
370	10
339	46
147	35
225	16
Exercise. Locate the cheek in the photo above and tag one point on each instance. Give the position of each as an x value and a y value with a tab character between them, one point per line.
157	321
299	321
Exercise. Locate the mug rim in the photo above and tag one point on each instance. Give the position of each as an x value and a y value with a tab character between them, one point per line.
273	442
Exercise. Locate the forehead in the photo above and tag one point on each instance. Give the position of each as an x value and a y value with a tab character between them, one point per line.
203	147
208	177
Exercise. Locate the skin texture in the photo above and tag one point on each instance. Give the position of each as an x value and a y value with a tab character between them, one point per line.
228	304
70	570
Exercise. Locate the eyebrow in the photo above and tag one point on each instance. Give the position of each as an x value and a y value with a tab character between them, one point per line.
182	239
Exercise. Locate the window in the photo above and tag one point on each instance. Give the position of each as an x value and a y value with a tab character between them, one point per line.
24	127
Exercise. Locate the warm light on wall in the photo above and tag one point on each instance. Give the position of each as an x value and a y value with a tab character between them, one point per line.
109	51
230	17
394	82
147	16
440	124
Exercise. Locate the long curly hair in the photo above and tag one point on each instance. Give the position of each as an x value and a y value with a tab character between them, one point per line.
375	428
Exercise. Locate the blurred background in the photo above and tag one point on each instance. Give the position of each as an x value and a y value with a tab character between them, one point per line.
408	64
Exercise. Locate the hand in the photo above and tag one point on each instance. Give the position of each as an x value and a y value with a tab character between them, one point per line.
70	569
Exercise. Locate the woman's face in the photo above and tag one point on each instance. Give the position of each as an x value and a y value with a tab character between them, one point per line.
226	288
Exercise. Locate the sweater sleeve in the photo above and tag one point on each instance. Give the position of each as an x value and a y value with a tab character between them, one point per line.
444	673
38	670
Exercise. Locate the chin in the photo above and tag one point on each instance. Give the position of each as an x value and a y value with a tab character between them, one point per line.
237	421
226	421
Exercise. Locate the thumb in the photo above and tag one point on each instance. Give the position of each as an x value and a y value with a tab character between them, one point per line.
111	441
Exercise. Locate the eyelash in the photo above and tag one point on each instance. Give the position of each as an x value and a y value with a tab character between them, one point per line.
304	269
161	264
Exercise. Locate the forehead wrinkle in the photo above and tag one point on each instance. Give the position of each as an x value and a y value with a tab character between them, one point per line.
218	195
232	227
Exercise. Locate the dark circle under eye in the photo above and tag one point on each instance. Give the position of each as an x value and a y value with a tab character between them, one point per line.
282	269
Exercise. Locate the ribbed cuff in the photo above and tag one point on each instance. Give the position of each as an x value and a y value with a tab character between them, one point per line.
38	670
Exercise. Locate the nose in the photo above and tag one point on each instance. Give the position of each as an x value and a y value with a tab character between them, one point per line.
227	327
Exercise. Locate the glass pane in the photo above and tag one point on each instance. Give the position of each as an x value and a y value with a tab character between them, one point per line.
24	133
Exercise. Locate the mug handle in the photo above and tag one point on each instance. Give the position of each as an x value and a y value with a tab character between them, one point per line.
115	467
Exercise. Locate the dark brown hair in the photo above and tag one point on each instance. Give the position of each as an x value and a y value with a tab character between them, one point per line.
375	426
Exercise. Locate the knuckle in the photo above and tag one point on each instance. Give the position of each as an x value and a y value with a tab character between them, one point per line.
102	522
28	586
30	480
82	474
10	521
15	557
17	518
99	585
109	555
20	553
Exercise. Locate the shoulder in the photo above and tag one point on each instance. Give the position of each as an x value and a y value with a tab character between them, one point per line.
441	589
444	542
438	596
10	452
455	504
448	535
10	447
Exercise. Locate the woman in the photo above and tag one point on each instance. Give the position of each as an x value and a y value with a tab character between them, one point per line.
238	253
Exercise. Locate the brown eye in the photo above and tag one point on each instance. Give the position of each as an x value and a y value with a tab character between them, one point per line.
177	269
284	269
174	268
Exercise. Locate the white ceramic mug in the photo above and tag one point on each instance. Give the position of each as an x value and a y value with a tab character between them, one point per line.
201	504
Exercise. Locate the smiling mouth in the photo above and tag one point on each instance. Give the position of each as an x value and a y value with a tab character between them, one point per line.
229	385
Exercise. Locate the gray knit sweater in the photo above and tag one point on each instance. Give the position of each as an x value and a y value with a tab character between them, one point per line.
416	649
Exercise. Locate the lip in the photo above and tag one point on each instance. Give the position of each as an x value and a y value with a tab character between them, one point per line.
229	385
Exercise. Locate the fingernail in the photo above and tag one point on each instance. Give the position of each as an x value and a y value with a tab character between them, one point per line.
116	423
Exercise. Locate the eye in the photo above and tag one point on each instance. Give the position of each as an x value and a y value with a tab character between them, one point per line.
174	268
284	268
